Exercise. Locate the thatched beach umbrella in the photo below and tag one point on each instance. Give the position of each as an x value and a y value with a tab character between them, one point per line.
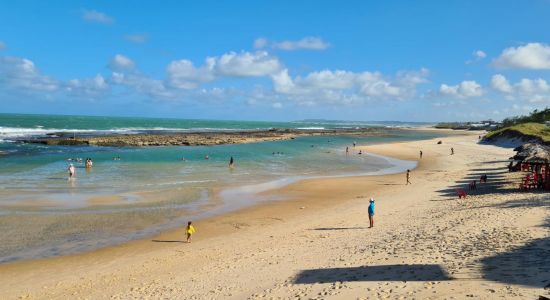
533	153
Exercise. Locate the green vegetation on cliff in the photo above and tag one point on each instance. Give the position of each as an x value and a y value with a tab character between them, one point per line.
527	131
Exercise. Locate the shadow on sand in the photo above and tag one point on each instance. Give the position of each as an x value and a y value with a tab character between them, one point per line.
374	273
527	265
339	228
163	241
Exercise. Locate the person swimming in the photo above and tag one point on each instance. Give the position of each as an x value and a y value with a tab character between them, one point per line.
72	171
231	162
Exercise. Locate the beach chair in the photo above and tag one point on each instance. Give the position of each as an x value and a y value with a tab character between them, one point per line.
525	183
461	193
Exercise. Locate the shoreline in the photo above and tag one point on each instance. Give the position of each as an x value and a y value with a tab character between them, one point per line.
312	203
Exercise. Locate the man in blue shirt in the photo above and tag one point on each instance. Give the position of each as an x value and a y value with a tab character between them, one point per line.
371	212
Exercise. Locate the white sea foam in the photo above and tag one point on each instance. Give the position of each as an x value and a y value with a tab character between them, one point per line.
311	128
13	133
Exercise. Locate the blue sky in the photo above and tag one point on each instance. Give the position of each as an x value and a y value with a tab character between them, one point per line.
277	60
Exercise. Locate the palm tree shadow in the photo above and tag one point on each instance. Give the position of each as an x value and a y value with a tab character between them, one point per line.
418	272
167	241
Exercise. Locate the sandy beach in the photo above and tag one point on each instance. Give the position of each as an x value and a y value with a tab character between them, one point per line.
426	244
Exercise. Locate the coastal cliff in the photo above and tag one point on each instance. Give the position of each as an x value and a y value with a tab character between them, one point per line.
516	135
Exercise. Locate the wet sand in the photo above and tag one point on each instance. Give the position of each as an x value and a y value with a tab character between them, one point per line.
425	244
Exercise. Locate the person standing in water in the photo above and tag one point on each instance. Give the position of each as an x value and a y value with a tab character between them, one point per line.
347	150
189	230
72	171
371	212
408	177
231	162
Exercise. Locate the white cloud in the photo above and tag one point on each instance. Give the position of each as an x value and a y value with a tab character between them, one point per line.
277	105
137	38
21	74
532	86
120	63
530	56
260	43
87	87
529	90
282	82
142	84
246	64
327	79
182	74
501	84
2	45
96	17
466	89
480	54
345	87
307	43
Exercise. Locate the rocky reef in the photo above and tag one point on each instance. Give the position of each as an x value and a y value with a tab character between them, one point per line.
196	138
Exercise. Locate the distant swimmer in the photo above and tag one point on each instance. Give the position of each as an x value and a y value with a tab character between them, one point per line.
206	156
408	177
354	143
72	171
183	158
89	163
231	162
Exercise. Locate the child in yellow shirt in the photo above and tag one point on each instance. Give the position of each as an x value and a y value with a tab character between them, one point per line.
189	230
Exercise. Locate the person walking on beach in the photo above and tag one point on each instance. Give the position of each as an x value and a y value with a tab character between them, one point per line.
452	151
347	150
231	162
189	230
420	154
71	170
371	212
408	177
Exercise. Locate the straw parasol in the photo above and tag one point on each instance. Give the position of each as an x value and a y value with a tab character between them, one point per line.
533	153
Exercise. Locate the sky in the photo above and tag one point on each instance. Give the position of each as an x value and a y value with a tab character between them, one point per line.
276	60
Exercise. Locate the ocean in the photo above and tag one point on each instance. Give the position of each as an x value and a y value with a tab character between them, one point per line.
150	189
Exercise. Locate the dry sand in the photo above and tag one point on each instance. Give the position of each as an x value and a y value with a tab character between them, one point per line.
425	244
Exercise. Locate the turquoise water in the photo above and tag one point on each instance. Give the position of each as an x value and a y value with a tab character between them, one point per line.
20	125
38	172
154	188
